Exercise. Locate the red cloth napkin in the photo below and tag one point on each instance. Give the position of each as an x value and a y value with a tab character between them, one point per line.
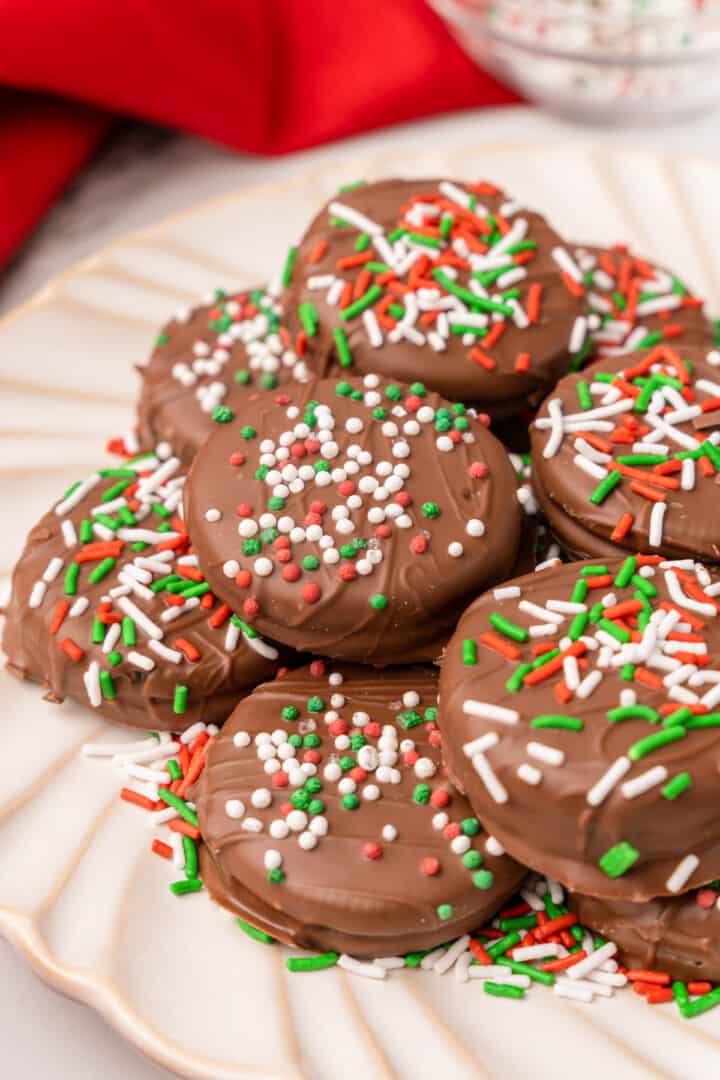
267	77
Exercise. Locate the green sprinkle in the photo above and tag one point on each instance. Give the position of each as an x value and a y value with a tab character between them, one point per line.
515	682
128	631
509	629
618	632
276	876
503	944
584	396
680	716
469	652
625	573
680	993
312	963
107	686
374	293
641	459
170	799
97	635
676	786
114	658
644	586
409	718
102	569
579	591
472	860
363	242
248	432
222	414
378	602
545	977
255	934
191	858
431	510
174	769
342	347
421	794
627	672
309	317
522	922
483	879
606	485
701	1004
86	531
289	264
706	720
594	571
646	746
617	860
503	990
632	712
180	700
182	888
578	625
552	720
444	911
350	801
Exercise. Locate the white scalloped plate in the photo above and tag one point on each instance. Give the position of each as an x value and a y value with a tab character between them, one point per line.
80	894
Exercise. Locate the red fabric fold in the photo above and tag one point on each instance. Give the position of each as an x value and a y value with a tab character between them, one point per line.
268	78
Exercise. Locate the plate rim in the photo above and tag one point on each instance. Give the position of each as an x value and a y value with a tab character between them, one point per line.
19	929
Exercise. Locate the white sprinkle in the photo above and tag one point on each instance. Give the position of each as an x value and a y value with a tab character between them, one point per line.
537	952
451	955
141	619
77	495
234	808
593	961
655	531
529	774
548	754
145	663
369	970
192	733
507	592
481	744
173	656
589	684
494	847
485	711
91	678
487	775
37	594
565	261
647	780
354	217
682	873
599	791
212	515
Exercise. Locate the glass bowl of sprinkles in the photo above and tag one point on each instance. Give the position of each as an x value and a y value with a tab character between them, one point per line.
609	61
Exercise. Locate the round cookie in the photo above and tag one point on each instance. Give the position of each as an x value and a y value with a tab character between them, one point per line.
329	823
632	303
626	455
453	284
353	518
578	709
109	607
679	934
209	359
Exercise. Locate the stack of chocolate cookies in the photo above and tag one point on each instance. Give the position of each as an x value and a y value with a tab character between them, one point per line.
320	553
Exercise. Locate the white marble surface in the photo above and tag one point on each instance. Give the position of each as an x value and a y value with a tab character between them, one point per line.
142	177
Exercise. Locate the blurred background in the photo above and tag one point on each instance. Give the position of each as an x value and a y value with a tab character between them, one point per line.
113	115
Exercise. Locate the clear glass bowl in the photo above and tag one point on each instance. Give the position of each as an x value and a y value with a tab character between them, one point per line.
602	60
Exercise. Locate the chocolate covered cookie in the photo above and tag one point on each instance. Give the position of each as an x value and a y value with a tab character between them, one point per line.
110	608
632	303
453	284
210	358
353	518
578	707
329	823
627	455
679	934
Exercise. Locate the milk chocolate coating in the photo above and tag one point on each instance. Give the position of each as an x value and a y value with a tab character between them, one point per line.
690	527
342	603
343	895
221	353
502	391
145	699
676	935
614	272
548	818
